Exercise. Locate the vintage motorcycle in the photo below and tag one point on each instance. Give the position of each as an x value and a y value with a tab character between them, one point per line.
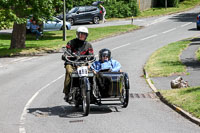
90	88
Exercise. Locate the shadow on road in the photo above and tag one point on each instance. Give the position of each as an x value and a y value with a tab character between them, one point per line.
185	17
67	111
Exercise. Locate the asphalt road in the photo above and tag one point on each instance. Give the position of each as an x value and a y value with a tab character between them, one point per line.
31	96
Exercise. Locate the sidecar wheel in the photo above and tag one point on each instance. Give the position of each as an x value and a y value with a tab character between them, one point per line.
125	92
125	98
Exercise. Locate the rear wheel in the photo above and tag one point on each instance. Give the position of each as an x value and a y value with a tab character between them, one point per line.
96	20
86	96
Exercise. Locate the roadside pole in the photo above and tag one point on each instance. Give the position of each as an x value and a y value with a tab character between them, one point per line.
64	20
165	4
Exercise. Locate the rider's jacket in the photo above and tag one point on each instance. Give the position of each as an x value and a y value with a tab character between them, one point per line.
112	65
79	47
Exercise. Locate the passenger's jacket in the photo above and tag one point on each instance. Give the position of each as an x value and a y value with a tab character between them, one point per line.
113	65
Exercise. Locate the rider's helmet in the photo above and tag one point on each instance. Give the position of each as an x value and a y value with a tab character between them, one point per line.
104	52
82	29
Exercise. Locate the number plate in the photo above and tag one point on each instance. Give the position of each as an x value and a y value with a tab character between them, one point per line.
82	71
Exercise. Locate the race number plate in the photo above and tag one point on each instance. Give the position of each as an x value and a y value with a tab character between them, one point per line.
82	71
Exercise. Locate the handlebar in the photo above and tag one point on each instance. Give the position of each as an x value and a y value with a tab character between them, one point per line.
77	59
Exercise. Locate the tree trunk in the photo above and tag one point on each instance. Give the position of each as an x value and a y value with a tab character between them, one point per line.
18	36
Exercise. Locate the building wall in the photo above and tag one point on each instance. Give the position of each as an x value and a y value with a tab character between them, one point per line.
146	4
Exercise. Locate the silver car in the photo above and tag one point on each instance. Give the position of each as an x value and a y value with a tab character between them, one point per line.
54	24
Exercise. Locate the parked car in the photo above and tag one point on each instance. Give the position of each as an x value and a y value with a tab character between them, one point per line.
83	14
198	22
54	24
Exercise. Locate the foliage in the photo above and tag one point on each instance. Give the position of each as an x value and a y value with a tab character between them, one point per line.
121	9
18	10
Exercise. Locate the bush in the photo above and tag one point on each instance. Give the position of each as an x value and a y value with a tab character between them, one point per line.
121	9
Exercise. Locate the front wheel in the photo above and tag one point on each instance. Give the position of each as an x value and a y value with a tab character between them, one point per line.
86	96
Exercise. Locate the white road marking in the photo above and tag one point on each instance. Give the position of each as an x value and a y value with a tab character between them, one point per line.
169	30
24	113
15	60
158	20
149	37
22	60
120	46
186	24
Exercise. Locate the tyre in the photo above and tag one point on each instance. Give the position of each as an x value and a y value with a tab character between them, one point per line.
125	91
125	98
96	20
71	21
86	96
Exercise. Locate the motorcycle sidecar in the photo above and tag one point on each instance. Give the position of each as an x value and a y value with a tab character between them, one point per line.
113	86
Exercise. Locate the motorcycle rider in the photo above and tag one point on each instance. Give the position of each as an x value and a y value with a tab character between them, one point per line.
76	47
105	62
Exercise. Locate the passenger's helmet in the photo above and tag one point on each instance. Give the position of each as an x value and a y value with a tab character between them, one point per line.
82	29
104	52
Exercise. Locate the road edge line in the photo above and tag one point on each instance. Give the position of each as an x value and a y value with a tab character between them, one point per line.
174	107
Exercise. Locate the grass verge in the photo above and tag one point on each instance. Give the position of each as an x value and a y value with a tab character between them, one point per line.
185	5
52	40
165	61
186	98
198	54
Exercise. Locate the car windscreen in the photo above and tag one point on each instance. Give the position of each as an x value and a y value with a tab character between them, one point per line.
73	10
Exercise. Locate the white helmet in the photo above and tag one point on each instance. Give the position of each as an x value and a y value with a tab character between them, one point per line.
82	29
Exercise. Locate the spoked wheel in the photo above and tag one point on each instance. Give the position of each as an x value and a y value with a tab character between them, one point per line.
125	98
125	91
86	97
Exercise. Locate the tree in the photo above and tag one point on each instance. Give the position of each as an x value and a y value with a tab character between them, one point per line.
18	11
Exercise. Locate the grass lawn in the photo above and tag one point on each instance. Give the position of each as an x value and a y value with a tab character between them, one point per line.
186	98
165	61
52	40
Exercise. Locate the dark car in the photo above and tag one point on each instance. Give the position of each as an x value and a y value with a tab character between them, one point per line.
83	14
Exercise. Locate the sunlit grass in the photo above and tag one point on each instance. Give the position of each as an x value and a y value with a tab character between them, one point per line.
165	61
186	98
